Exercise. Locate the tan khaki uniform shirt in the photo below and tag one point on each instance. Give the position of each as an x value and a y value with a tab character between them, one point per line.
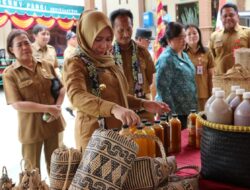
89	106
21	84
146	65
205	60
47	54
68	52
222	45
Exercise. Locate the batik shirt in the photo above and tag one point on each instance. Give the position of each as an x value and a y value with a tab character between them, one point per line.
175	82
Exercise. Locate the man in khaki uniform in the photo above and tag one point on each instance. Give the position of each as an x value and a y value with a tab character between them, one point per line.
71	45
225	41
135	59
68	52
143	36
42	50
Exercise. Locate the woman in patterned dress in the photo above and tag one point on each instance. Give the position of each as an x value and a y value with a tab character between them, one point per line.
175	74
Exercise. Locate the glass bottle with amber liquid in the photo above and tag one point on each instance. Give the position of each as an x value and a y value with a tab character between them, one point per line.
191	120
151	143
125	131
164	123
159	132
132	129
175	138
141	142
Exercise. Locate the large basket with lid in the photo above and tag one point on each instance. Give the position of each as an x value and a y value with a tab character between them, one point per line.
225	152
237	75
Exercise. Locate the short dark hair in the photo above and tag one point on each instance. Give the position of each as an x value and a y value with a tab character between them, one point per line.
38	28
229	5
200	45
120	12
173	30
14	33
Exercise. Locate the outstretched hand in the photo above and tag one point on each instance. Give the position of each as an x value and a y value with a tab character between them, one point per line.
155	107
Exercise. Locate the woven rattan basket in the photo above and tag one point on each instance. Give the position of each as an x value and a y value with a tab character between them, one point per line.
237	75
242	56
225	153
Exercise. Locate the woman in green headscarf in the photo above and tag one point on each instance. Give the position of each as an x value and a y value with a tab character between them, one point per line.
96	86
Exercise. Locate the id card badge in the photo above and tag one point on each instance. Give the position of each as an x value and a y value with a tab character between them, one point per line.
140	78
199	70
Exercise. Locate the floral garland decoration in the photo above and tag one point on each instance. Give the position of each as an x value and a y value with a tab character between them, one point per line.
136	70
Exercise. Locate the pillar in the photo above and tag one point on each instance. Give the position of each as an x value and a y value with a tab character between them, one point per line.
205	20
89	4
241	5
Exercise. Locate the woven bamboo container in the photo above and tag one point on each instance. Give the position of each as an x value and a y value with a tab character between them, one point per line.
237	75
225	153
242	57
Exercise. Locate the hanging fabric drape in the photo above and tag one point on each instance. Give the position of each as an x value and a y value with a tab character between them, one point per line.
26	22
48	22
22	21
65	24
3	19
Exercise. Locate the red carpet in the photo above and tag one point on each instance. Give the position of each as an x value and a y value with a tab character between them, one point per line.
191	156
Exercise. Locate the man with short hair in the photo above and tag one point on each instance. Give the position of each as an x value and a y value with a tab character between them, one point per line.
68	52
71	45
135	60
143	37
223	42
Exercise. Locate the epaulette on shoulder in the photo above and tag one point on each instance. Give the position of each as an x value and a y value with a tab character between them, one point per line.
8	68
245	27
50	46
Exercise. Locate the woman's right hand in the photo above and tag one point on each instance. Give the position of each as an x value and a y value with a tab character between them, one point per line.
126	116
54	110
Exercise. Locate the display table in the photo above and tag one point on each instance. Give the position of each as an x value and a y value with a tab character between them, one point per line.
191	156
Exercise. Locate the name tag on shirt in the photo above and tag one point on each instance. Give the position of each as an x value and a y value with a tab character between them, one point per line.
218	44
199	70
140	78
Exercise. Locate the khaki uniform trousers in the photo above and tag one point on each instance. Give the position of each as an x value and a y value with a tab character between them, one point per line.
32	152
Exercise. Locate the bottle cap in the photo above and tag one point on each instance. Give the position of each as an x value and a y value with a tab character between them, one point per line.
140	126
157	121
215	89
219	94
163	118
144	121
115	129
234	87
174	115
125	126
240	91
246	95
193	110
